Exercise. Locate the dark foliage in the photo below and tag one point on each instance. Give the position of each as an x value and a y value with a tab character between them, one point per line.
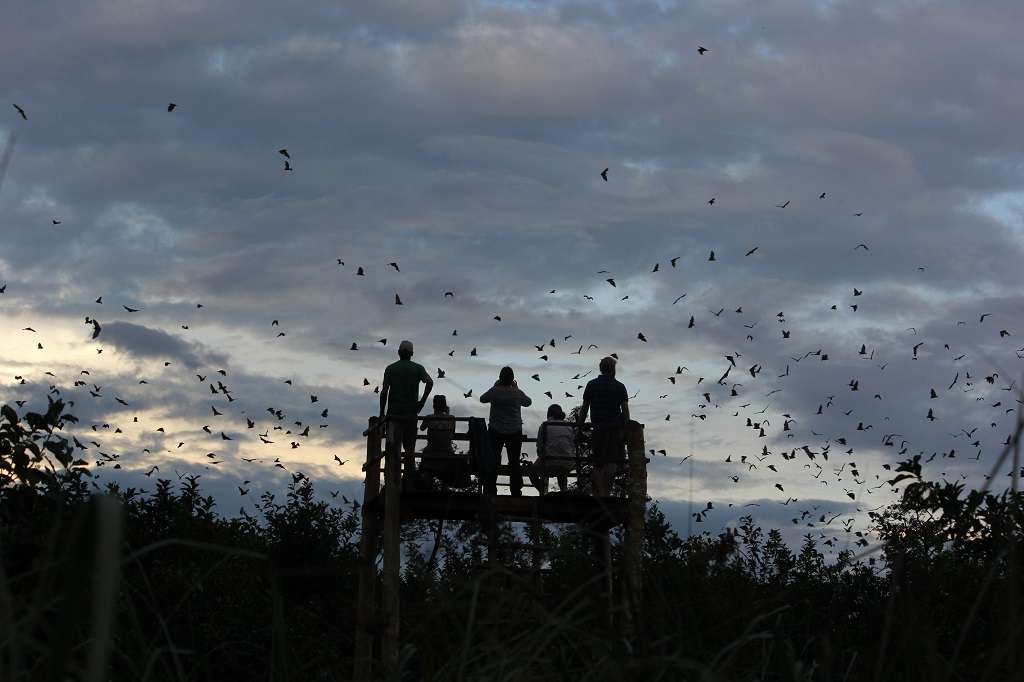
200	596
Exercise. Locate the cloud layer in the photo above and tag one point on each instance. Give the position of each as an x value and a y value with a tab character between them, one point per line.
464	141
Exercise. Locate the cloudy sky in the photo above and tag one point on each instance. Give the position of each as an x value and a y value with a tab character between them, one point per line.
464	141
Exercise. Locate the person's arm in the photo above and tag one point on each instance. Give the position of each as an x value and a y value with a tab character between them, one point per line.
524	400
625	411
486	397
581	417
542	445
384	389
426	391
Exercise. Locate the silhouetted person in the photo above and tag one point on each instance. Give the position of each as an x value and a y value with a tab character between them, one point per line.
505	426
400	394
438	455
440	427
556	450
608	403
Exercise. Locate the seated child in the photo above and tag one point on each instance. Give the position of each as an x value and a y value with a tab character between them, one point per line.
440	427
556	450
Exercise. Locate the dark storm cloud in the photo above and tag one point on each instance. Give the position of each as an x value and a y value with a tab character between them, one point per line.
144	342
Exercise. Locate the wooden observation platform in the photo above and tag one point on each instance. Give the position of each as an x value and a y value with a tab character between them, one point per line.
385	509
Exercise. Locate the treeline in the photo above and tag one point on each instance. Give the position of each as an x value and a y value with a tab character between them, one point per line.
158	585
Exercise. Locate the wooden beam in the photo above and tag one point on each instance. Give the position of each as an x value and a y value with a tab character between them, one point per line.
392	556
465	437
365	612
536	550
632	556
489	517
554	508
457	436
604	558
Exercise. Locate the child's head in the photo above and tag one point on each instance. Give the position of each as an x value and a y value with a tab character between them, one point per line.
440	403
555	413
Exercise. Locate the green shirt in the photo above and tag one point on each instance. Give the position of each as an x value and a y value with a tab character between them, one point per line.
403	378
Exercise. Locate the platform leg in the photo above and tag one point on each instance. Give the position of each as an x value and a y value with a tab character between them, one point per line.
392	557
632	557
365	612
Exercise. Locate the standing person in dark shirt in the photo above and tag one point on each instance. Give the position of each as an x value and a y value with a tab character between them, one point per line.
608	403
506	424
400	395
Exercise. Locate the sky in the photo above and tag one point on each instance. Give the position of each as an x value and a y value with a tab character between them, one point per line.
870	151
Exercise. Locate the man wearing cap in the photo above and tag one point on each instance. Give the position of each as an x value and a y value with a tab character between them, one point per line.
400	395
608	403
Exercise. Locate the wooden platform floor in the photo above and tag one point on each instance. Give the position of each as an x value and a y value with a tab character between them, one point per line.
551	508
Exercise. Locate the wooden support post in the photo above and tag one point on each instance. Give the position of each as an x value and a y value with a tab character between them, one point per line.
365	612
579	467
632	557
537	553
490	519
392	555
606	572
